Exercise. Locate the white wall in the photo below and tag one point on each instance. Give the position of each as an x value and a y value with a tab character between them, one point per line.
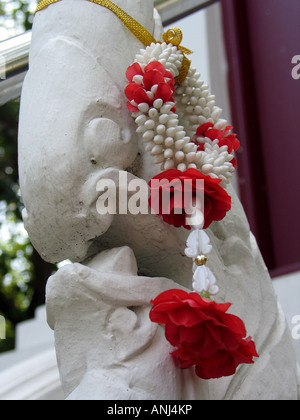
288	292
194	28
30	372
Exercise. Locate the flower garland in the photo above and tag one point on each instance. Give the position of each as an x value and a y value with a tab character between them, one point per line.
203	141
181	127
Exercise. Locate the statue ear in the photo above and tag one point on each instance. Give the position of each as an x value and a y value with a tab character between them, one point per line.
110	145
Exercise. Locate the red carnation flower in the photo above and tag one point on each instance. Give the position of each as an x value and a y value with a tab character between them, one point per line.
224	137
155	74
172	185
204	334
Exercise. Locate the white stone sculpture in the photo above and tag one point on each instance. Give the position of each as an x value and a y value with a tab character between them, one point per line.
75	130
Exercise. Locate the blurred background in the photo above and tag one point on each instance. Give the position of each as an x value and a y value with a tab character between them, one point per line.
23	274
248	51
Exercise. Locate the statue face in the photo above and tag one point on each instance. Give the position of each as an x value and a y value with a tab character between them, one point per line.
74	123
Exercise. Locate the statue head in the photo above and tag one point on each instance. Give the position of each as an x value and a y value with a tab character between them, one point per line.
74	124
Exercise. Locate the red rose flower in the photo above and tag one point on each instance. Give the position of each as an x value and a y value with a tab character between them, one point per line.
224	137
205	335
172	185
155	74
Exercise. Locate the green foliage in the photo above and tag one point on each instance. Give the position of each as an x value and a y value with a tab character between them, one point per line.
22	9
9	189
15	17
16	267
16	274
16	271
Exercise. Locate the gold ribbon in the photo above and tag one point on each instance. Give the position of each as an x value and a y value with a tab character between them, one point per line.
172	36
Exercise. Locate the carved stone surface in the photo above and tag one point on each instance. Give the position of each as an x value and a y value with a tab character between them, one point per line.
75	130
113	349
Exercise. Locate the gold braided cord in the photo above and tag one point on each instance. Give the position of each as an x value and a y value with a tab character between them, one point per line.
135	27
184	70
173	35
44	4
